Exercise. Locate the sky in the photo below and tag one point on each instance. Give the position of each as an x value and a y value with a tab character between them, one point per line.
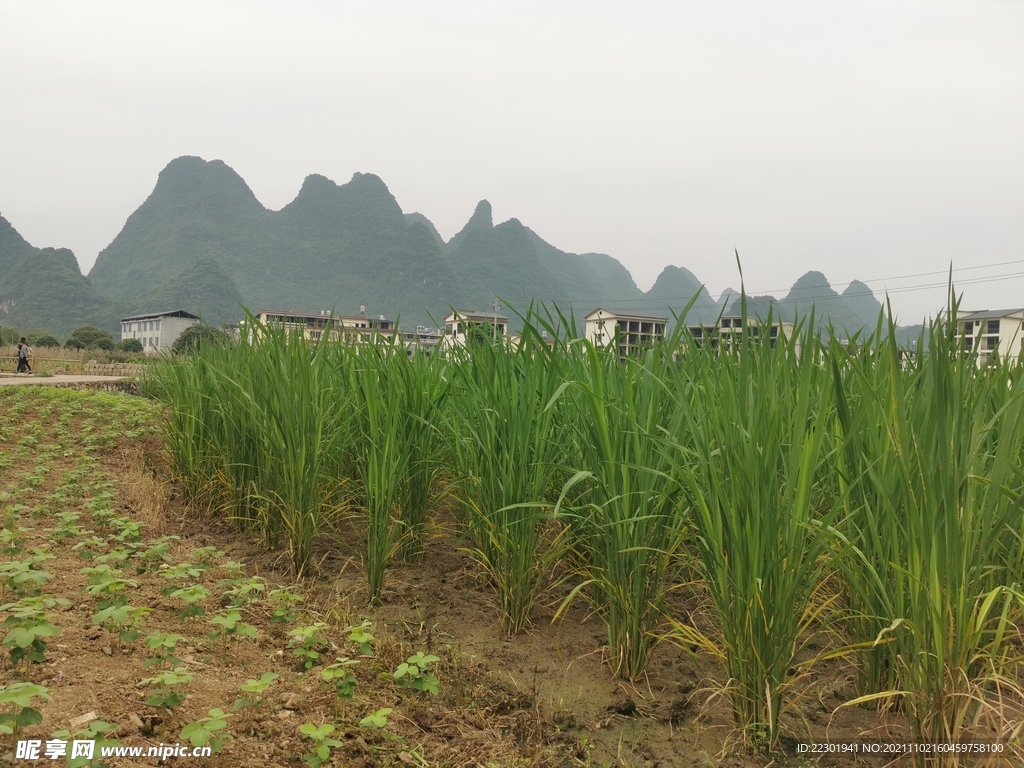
878	141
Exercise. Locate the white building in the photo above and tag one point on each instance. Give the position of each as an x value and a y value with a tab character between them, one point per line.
356	329
627	330
462	323
989	331
157	330
725	331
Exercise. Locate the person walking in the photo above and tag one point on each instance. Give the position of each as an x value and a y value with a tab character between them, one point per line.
24	353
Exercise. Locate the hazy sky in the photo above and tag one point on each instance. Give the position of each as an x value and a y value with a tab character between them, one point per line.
870	140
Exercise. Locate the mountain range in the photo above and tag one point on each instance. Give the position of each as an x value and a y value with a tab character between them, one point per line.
203	242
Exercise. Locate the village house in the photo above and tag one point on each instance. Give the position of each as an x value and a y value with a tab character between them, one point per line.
358	329
157	331
727	329
993	331
625	330
463	323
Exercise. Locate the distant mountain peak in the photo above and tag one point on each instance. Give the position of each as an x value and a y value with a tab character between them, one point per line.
857	288
208	186
482	220
482	217
316	181
812	286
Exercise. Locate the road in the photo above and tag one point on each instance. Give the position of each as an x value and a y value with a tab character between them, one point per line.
14	379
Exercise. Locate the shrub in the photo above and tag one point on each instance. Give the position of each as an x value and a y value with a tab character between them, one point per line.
196	336
130	345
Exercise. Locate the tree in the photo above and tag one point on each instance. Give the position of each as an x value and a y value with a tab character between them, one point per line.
130	345
73	343
90	337
196	336
46	340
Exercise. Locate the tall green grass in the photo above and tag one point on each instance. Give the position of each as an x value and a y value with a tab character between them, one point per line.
502	429
931	455
253	431
851	488
629	524
756	425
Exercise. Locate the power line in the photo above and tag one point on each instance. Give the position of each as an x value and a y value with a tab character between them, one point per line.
899	289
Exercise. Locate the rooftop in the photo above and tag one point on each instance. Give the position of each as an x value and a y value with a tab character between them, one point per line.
990	314
637	314
472	314
154	315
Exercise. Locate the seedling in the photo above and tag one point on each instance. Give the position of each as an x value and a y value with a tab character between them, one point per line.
118	556
24	641
284	600
243	591
340	676
206	555
156	554
16	710
415	673
12	541
68	527
181	571
24	576
90	547
121	620
323	743
166	693
193	596
208	731
163	645
127	529
98	731
306	640
376	720
103	580
255	687
231	624
28	623
361	636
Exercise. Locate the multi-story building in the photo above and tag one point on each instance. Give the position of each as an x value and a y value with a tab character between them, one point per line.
727	329
423	339
993	331
624	330
462	323
313	325
157	331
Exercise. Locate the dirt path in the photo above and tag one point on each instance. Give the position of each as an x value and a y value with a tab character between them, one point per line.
21	379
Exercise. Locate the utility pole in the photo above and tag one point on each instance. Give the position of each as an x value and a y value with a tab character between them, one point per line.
494	329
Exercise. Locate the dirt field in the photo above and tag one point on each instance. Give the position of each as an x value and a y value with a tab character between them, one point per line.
84	486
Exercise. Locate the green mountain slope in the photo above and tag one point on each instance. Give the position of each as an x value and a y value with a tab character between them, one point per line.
342	246
202	288
42	288
673	290
13	247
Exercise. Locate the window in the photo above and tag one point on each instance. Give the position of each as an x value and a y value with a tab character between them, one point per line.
993	326
157	325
